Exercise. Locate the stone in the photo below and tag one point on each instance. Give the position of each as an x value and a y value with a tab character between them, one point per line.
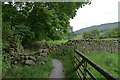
45	50
15	62
26	57
30	62
20	53
22	56
42	63
22	61
41	50
38	57
37	53
41	54
33	58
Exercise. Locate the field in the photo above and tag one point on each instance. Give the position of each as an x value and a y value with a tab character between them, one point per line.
108	61
110	39
57	42
78	37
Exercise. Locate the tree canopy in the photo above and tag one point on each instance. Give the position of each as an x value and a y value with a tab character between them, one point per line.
92	34
24	22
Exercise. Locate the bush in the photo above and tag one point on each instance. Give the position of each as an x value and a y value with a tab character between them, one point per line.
6	60
25	34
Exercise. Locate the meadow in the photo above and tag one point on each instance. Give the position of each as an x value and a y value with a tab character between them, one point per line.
57	42
78	37
108	61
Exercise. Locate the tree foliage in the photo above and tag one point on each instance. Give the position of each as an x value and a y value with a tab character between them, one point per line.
25	22
92	34
112	33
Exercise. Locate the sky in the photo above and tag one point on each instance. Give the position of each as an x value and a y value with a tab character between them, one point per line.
99	12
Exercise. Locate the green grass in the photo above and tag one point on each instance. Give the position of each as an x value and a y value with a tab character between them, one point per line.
37	71
5	58
78	37
57	42
0	66
66	57
108	61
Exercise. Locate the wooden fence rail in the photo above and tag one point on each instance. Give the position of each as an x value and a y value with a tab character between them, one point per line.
82	69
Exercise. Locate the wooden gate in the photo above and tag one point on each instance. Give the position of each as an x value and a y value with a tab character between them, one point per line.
81	67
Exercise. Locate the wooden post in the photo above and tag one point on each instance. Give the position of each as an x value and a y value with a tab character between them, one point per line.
85	67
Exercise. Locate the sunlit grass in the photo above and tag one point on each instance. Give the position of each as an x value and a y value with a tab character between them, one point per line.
57	42
78	37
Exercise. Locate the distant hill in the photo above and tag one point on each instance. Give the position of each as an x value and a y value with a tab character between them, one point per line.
101	28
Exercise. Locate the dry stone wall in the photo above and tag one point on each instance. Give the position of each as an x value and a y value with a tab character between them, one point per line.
84	46
95	46
89	46
30	58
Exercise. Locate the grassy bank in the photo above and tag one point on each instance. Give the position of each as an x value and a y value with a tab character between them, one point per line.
108	61
66	56
37	71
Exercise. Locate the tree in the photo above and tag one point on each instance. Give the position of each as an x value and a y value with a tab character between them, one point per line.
30	21
112	33
92	34
52	19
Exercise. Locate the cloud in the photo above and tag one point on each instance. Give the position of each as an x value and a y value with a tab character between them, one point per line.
99	12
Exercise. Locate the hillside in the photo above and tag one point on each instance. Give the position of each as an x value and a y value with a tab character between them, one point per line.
102	27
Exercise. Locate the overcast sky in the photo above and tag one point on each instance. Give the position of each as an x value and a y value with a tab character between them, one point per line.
99	12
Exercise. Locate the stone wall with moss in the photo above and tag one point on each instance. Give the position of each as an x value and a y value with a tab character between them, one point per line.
95	46
84	46
89	46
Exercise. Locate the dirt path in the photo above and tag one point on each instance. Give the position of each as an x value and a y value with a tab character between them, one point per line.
58	71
